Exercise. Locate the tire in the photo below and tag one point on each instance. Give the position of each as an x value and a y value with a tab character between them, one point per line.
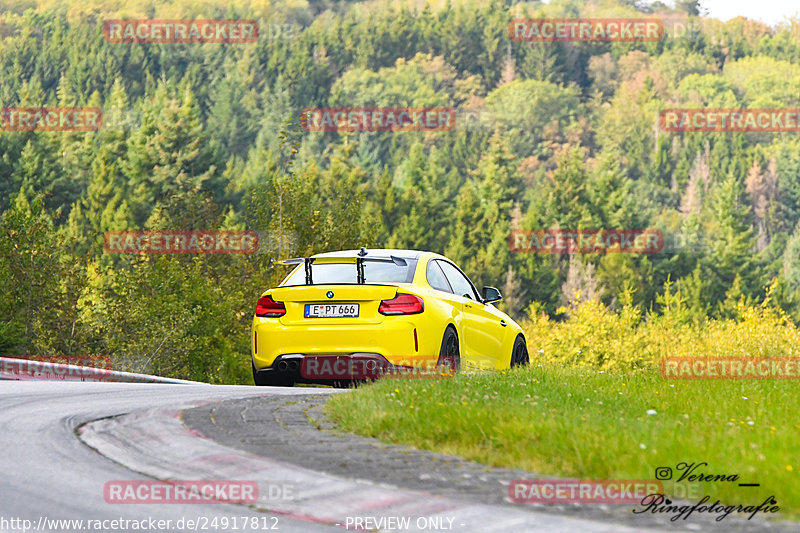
450	354
271	379
519	354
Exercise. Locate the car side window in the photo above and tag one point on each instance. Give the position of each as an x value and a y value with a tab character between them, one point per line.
461	285
436	277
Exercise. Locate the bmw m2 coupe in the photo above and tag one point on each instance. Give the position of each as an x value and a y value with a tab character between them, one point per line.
351	315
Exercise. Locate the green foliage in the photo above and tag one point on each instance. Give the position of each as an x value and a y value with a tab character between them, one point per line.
527	110
547	135
596	337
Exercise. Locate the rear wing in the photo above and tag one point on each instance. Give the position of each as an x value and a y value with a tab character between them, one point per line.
358	260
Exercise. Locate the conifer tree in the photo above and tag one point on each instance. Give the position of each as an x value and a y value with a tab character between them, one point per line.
169	155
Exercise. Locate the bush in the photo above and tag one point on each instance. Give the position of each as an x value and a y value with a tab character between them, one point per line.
595	337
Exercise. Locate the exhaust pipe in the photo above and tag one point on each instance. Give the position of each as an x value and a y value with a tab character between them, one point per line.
293	366
283	366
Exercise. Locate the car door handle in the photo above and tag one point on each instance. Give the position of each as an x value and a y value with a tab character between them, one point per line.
503	323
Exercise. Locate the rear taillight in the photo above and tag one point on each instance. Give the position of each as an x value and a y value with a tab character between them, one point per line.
266	306
402	304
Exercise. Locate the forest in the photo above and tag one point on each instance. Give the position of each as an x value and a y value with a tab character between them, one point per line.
547	135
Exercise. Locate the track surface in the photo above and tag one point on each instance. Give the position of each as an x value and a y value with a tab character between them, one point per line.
47	472
62	442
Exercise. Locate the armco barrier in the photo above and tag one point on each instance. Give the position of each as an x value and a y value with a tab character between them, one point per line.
26	369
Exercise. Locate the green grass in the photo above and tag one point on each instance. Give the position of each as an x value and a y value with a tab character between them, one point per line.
577	422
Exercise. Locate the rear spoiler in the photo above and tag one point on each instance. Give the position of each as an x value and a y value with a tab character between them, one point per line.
358	260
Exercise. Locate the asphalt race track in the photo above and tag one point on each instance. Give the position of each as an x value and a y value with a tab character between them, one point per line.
63	442
48	472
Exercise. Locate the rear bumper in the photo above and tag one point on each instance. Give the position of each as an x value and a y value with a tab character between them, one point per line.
339	369
328	370
393	341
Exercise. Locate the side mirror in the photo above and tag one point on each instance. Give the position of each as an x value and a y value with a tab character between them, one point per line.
490	294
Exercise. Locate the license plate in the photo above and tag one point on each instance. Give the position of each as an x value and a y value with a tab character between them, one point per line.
331	310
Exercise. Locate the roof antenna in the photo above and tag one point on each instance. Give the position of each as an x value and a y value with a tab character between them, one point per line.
363	252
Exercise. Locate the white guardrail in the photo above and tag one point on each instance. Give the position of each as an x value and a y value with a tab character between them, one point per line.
28	369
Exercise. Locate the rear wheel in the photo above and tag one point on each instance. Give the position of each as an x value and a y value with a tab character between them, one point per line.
271	379
519	355
449	354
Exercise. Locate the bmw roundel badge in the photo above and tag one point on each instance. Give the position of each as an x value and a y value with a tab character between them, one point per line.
329	294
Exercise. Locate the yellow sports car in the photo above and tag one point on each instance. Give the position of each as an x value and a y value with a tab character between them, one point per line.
347	316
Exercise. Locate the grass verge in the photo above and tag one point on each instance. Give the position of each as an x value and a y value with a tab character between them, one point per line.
608	417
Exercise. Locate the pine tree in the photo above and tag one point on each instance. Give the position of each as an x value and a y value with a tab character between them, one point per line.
30	263
103	206
74	152
231	121
563	199
732	249
424	188
762	189
482	218
169	156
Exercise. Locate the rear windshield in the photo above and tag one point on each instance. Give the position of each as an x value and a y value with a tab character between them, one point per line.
338	273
